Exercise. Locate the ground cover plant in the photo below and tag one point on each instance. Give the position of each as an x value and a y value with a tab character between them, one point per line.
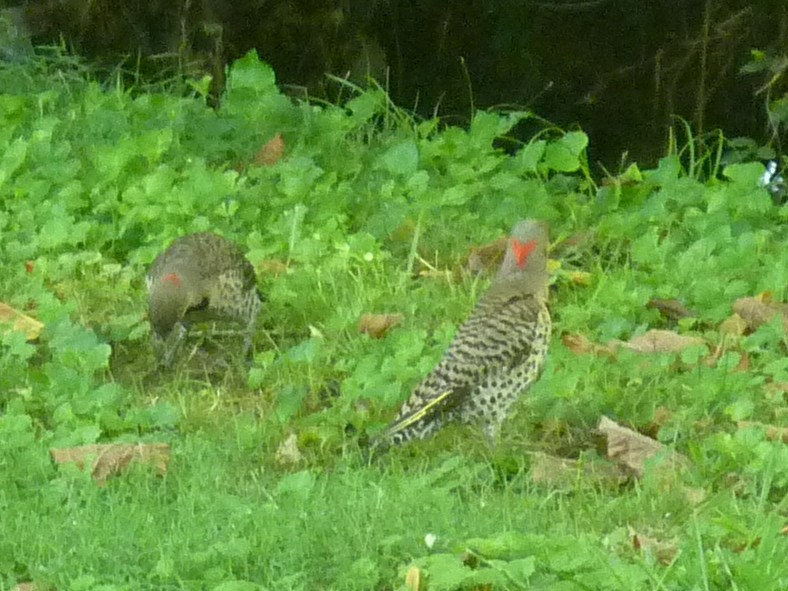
358	210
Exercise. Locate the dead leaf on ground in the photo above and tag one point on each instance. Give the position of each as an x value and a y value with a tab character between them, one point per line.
288	453
733	326
654	341
28	587
776	389
560	472
581	345
661	341
772	432
413	579
670	309
631	449
575	277
720	350
272	267
575	242
377	325
271	152
446	275
110	458
487	258
20	322
758	310
665	551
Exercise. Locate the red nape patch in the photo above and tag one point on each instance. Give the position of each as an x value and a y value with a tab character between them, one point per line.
172	278
522	250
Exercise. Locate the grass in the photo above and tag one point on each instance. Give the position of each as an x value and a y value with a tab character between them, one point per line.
372	211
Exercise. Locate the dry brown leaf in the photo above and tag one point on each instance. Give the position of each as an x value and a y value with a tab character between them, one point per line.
271	152
580	345
377	325
28	587
487	258
272	267
20	322
772	432
446	275
560	472
671	309
777	389
733	326
758	310
662	414
583	278
288	453
577	241
654	341
744	362
110	458
665	551
413	579
662	341
632	450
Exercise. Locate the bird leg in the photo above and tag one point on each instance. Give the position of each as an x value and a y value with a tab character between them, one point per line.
250	331
167	348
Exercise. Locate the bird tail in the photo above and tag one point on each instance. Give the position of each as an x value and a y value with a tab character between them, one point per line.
406	427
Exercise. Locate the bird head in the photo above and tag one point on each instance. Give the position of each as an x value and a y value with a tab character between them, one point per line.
525	261
168	301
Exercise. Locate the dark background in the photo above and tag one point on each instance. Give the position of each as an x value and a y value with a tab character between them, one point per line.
620	69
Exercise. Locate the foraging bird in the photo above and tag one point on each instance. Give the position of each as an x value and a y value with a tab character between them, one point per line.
200	277
497	353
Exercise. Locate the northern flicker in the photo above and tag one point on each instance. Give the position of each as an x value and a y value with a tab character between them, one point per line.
497	353
200	277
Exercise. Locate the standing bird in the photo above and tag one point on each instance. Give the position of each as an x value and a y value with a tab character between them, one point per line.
497	353
200	277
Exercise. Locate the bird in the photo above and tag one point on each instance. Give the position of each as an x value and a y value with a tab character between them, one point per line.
200	277
497	353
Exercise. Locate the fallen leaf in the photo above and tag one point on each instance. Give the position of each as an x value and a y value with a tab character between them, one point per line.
487	258
413	579
583	278
272	267
20	322
663	550
632	450
774	389
733	326
772	432
377	325
661	341
288	452
28	587
671	309
581	345
107	459
575	242
662	415
561	472
758	310
744	362
271	152
654	341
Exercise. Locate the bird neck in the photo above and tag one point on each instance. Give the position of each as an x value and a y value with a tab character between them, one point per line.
532	283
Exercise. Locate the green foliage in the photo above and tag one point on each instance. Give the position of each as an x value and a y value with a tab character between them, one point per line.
369	211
